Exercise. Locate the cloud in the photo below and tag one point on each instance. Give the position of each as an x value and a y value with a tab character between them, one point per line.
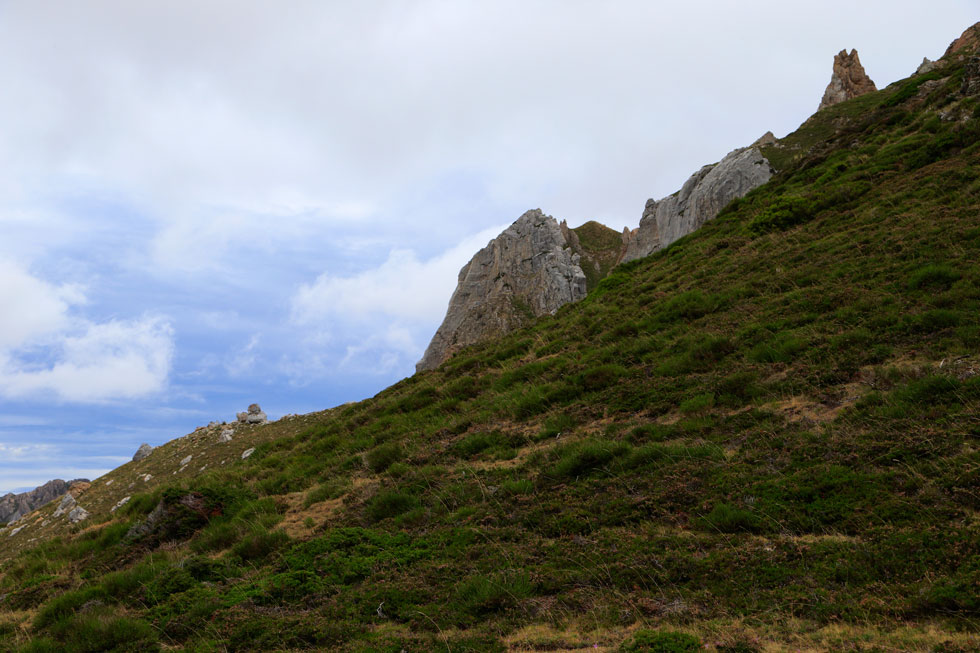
32	308
403	288
47	349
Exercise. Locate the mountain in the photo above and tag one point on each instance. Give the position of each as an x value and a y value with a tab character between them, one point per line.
762	437
14	506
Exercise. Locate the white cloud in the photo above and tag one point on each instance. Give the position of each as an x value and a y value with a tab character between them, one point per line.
47	349
32	308
403	288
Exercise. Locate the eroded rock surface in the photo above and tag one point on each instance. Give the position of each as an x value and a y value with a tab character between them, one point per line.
701	198
15	506
847	81
527	271
969	41
141	453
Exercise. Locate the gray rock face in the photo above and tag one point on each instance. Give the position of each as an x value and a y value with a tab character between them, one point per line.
253	415
141	453
77	514
926	66
527	271
701	198
847	81
15	506
67	505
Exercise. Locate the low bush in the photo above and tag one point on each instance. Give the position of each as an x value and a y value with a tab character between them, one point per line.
664	641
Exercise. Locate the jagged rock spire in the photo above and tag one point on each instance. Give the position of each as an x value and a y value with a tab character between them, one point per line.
848	80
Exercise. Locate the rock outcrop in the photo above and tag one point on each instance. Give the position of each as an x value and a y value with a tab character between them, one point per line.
701	198
141	453
847	81
15	506
927	66
253	415
527	271
969	41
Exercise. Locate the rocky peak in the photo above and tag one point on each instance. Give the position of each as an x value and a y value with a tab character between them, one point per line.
848	80
969	41
527	271
15	506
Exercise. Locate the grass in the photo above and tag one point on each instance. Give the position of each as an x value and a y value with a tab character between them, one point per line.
634	471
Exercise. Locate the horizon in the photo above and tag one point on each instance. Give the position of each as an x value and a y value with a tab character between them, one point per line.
207	209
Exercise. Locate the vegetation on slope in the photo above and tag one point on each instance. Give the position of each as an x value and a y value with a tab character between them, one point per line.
762	438
600	248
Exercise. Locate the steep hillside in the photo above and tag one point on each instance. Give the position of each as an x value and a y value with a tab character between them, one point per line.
764	437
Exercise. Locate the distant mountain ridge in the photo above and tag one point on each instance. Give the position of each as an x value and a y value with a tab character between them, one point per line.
14	506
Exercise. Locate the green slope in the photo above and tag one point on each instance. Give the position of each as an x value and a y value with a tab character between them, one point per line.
765	436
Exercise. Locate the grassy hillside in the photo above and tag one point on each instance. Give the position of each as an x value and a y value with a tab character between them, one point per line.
766	437
600	248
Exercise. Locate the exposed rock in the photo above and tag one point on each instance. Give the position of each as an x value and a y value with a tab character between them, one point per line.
15	506
645	239
119	504
969	41
67	505
926	66
527	271
77	514
186	459
971	77
701	198
16	530
141	453
766	139
847	81
253	415
247	453
225	435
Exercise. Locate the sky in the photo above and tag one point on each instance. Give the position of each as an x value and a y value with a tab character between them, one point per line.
209	204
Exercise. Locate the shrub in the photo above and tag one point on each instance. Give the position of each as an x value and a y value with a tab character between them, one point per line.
91	633
782	214
583	458
381	457
599	378
697	403
933	276
665	641
781	349
729	519
260	544
389	504
476	443
481	595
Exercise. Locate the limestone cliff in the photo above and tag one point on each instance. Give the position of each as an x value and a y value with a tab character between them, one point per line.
701	198
15	506
527	271
847	81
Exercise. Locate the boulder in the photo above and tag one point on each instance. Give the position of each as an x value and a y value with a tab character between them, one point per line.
527	271
77	514
847	81
701	198
225	435
141	453
253	415
67	505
